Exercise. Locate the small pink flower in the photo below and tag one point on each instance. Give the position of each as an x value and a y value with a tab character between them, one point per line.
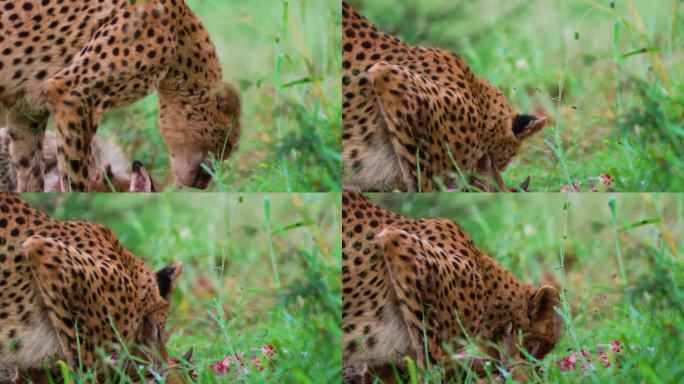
257	363
574	187
220	368
585	354
606	180
616	346
193	374
241	364
268	350
223	367
604	359
567	363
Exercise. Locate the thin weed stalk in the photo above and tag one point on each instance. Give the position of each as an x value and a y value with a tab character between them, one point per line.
271	252
566	311
557	145
280	60
612	204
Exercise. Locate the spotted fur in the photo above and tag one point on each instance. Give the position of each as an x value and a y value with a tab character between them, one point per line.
408	282
66	286
76	59
412	114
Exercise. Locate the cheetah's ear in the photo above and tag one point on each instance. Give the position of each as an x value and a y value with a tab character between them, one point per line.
167	277
542	303
544	320
228	100
525	126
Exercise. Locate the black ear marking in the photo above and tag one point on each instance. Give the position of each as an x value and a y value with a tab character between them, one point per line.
165	278
521	122
137	165
141	181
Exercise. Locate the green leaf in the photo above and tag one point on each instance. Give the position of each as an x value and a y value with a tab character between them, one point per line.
640	51
650	220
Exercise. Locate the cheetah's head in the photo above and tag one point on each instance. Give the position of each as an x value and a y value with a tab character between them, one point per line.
194	131
545	325
150	337
505	129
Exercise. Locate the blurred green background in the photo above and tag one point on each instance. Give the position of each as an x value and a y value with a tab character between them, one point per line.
284	56
607	73
617	259
258	269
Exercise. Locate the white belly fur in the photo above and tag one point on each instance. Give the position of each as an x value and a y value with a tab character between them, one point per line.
380	169
38	342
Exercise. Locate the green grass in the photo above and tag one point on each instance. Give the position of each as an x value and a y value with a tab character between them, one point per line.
258	270
609	78
622	274
284	58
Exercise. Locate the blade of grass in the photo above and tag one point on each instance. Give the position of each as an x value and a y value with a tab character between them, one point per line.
271	252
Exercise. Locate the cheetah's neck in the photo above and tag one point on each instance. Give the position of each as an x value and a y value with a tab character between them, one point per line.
195	71
507	297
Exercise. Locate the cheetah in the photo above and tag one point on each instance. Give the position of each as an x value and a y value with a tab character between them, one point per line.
413	286
108	172
69	290
74	60
413	114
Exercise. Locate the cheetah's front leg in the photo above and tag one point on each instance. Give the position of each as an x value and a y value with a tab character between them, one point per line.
26	150
139	45
76	125
397	92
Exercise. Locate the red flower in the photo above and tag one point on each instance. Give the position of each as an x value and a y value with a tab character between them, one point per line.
223	367
575	187
268	350
193	374
616	346
220	368
606	180
257	363
569	362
